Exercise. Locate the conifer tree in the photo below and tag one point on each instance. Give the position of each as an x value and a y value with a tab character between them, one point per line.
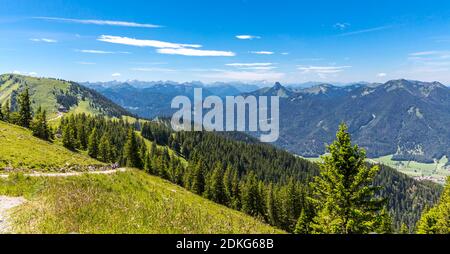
25	111
215	188
93	143
271	206
6	110
437	219
131	150
250	196
343	192
148	163
227	185
384	224
303	224
39	125
198	178
404	229
82	136
68	137
104	149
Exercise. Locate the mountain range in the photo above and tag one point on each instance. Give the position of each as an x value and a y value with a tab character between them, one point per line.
407	119
152	99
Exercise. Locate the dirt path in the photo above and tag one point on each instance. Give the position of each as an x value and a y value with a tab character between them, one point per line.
6	203
103	172
58	115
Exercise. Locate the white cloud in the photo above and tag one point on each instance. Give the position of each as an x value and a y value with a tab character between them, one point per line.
152	69
194	52
43	40
31	73
341	26
95	51
144	43
85	63
262	52
424	53
284	53
381	74
116	74
259	68
252	66
168	48
322	69
100	22
369	30
247	37
245	75
248	64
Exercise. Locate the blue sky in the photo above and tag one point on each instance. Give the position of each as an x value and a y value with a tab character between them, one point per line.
243	40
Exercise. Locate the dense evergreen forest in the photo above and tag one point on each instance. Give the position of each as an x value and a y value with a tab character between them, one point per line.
256	178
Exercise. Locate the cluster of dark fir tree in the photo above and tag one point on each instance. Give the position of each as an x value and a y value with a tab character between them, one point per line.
26	117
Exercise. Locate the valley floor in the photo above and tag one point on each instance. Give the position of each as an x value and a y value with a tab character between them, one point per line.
436	172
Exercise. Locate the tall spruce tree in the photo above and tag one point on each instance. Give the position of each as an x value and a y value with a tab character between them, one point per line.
25	111
437	219
343	192
93	141
6	110
68	138
39	125
104	148
131	150
198	178
216	191
250	195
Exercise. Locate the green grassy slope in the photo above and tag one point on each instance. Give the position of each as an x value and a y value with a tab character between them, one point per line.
20	150
125	202
51	94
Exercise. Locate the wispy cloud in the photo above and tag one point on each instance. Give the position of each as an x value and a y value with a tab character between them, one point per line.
144	69
322	69
85	63
252	66
95	51
245	75
31	73
194	52
381	74
285	53
424	53
341	25
43	40
248	64
247	37
100	22
262	52
163	47
368	30
116	74
144	43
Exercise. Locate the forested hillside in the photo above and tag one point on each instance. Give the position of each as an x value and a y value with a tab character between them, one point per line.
56	96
